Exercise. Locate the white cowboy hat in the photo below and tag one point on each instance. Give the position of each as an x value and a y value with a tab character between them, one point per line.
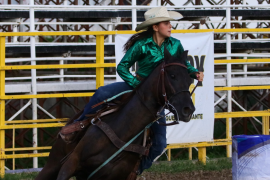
156	15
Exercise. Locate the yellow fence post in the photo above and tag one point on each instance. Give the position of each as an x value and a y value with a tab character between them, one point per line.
99	60
228	136
267	122
13	146
190	153
265	125
169	154
202	154
2	104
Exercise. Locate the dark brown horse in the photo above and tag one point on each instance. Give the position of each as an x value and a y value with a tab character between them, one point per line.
171	80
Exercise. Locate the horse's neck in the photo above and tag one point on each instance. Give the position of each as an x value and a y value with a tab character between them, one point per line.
141	109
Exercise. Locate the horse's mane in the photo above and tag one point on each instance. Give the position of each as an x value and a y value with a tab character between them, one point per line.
127	97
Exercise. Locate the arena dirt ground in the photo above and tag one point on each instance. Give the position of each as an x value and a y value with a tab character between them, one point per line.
225	174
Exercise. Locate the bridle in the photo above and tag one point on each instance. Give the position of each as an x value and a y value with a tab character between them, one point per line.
162	76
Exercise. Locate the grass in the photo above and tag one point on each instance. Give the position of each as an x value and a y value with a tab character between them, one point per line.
188	166
159	167
22	176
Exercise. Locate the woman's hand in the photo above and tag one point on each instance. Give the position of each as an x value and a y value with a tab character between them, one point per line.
200	76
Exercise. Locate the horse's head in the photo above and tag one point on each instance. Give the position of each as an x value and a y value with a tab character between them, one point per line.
174	83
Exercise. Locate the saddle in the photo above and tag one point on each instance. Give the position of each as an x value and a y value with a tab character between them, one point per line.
69	133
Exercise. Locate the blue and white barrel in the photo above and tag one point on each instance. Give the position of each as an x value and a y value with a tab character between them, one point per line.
251	157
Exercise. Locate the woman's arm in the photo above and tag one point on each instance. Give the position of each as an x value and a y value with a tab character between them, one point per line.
191	70
131	56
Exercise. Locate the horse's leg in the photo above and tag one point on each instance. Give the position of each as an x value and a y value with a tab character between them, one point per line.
69	167
53	165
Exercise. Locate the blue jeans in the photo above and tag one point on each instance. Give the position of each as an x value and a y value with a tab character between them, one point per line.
159	142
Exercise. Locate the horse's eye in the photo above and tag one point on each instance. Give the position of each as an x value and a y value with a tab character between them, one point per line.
172	76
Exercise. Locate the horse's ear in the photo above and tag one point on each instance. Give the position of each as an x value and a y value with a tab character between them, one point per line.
167	54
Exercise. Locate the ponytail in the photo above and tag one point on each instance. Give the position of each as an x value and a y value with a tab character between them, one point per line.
148	33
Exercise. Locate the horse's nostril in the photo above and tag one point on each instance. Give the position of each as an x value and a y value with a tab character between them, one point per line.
186	111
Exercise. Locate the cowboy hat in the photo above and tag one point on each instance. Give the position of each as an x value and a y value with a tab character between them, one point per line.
156	15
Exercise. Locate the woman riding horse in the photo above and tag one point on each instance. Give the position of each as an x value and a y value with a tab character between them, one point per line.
147	49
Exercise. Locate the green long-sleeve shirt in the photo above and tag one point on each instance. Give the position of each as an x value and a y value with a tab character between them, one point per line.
148	55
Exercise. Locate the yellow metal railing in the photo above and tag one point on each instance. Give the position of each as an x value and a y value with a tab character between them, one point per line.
100	65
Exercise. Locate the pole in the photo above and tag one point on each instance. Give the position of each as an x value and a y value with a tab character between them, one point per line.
99	60
229	80
33	79
2	104
134	15
110	36
15	29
